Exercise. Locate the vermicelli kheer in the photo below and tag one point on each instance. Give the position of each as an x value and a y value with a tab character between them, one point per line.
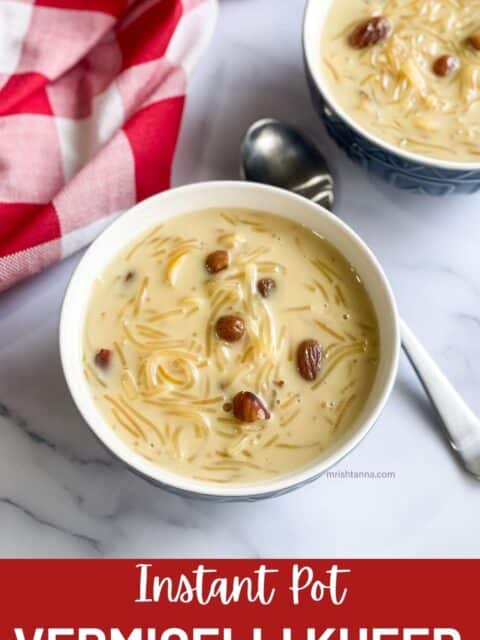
408	71
230	346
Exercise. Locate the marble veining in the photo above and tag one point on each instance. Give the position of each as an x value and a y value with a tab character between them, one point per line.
62	494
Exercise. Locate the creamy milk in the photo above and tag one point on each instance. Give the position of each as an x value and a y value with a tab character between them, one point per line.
165	381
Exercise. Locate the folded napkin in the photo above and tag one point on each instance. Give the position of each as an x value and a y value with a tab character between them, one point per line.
91	99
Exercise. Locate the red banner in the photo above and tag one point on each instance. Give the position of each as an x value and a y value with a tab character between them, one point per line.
239	600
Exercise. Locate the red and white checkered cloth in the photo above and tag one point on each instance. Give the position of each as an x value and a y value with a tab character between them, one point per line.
91	98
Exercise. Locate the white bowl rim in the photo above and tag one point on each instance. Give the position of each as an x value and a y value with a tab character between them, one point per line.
309	48
139	465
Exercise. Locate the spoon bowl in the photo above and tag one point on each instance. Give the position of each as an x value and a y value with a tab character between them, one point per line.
277	154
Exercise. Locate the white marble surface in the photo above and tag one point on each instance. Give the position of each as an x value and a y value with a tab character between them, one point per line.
62	495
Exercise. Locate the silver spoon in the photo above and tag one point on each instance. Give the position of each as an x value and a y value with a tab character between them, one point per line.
277	154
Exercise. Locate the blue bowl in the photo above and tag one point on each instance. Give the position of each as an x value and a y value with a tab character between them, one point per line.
412	172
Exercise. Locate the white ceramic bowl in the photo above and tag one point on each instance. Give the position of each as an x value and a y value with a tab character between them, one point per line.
195	198
410	171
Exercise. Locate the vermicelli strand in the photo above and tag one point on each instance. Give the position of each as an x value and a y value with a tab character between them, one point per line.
344	410
293	397
228	218
322	289
322	271
334	363
253	255
271	267
158	241
133	423
93	373
330	331
141	242
166	314
340	295
261	374
152	331
351	384
328	269
129	384
285	445
143	419
123	423
208	400
271	441
124	307
306	307
285	421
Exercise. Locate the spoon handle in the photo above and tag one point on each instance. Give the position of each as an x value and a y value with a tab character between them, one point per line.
461	424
